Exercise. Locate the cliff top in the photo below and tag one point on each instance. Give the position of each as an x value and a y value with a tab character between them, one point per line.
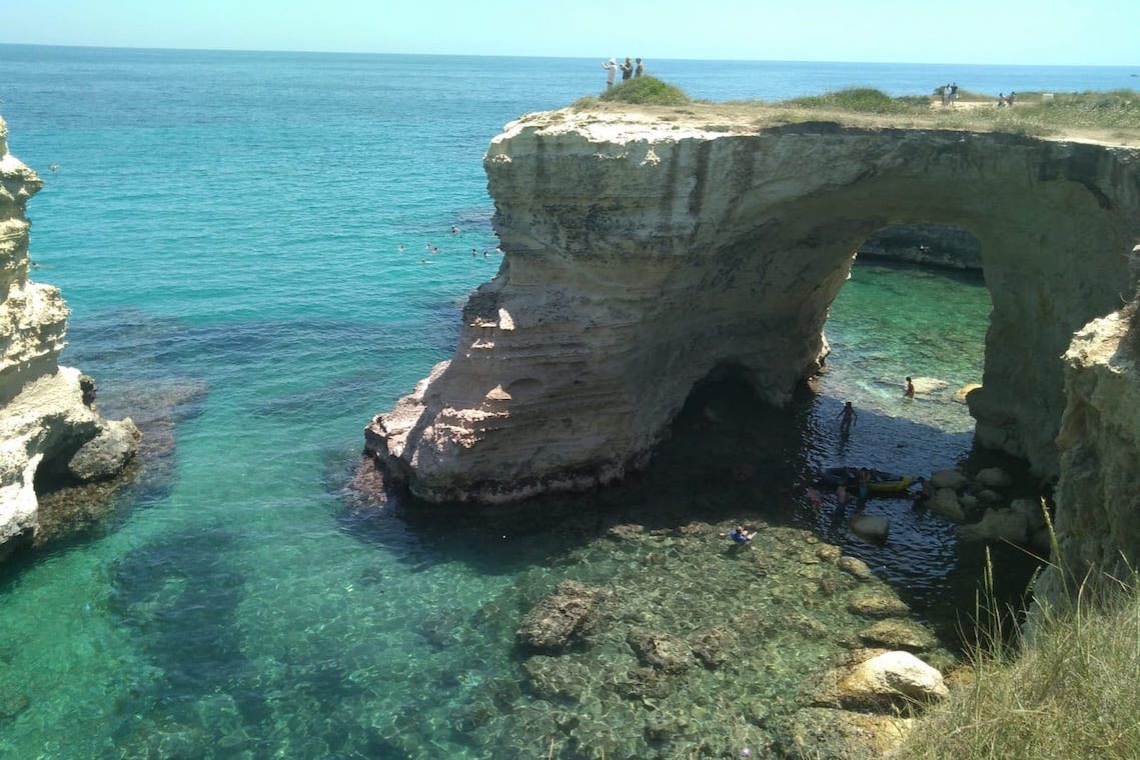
1111	119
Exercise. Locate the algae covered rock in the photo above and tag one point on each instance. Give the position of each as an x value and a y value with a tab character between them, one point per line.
562	619
662	651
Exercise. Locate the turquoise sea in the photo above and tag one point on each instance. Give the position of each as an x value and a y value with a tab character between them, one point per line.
244	241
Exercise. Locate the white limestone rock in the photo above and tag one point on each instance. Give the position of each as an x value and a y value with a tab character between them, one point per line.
644	251
43	418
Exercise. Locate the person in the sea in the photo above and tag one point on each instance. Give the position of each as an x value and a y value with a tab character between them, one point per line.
741	535
626	69
909	393
847	418
611	70
864	484
639	69
921	492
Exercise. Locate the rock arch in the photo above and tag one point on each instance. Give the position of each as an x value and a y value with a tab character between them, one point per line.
641	254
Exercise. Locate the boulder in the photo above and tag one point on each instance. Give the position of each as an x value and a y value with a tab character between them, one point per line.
662	651
963	393
949	479
562	619
855	567
998	525
871	527
881	684
945	502
898	634
105	455
876	604
993	477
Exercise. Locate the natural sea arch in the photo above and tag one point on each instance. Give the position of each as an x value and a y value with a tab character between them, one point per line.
641	254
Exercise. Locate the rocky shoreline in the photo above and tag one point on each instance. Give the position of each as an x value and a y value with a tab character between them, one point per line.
52	438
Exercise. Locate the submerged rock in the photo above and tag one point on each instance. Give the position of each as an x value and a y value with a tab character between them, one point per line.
898	634
662	651
562	619
855	567
877	604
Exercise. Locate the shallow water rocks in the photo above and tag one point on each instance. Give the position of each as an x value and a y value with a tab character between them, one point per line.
951	479
818	732
663	651
855	567
562	619
945	502
898	634
713	646
871	527
998	525
876	604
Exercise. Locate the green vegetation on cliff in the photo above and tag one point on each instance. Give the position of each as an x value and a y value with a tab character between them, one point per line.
641	91
1068	692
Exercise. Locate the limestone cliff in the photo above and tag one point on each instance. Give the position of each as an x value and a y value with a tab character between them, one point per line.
1098	496
48	434
647	251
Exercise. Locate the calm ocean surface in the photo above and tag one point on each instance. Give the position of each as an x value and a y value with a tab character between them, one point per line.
227	229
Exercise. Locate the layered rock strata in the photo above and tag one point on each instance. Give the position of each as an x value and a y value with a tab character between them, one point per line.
49	432
647	252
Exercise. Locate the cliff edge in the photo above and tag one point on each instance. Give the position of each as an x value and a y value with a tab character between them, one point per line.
50	434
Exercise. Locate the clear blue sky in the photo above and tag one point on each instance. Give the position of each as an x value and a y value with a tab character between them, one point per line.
1032	32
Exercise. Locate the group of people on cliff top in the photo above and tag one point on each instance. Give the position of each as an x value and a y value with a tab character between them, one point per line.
949	93
629	69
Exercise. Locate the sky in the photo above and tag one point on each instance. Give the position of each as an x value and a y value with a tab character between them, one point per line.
1029	32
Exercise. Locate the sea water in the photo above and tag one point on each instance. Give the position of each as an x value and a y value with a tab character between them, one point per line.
247	243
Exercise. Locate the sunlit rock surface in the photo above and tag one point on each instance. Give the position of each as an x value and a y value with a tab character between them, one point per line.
47	430
646	252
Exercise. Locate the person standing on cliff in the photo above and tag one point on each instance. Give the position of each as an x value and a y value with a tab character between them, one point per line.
639	69
627	69
611	70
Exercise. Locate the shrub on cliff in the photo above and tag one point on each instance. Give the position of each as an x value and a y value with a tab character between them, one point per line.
646	91
862	100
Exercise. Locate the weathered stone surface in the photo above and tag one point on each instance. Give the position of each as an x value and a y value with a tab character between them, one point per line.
998	525
562	619
45	417
644	252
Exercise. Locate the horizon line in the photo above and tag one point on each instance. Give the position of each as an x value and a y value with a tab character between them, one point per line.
549	57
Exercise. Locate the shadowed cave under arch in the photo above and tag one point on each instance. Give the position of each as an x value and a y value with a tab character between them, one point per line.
641	255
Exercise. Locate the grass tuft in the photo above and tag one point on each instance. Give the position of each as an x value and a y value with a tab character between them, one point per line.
1068	691
644	91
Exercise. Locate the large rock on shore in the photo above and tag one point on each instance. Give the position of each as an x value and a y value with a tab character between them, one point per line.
50	435
647	251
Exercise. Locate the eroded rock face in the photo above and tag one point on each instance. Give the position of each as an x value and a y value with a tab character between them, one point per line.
645	253
45	416
1098	496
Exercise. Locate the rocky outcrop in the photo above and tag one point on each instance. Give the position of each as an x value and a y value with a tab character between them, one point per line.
49	433
1098	496
646	253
